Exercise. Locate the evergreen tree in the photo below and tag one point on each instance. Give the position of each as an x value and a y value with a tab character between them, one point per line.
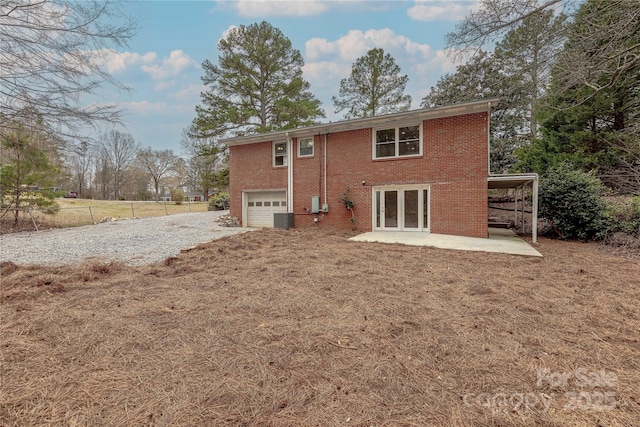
571	200
592	117
375	87
26	170
527	55
256	87
206	162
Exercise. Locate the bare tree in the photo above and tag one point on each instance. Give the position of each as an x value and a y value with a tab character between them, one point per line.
102	177
159	164
79	164
51	55
136	186
585	58
603	47
492	20
120	150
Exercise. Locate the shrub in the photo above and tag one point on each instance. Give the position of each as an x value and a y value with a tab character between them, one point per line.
572	201
220	202
177	195
625	215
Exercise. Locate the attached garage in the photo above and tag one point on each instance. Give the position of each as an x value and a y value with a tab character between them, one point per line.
261	205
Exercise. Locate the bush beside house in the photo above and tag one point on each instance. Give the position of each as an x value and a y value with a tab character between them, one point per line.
574	203
219	202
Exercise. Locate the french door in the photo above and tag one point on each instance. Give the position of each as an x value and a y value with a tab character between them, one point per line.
403	208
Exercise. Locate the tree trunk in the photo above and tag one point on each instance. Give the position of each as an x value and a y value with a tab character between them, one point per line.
156	184
16	213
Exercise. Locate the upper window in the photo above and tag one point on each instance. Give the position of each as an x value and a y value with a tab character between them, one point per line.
279	154
398	142
305	147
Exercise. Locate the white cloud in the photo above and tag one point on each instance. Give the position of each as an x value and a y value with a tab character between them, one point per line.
119	61
266	8
326	72
316	48
440	10
116	62
163	72
177	62
357	43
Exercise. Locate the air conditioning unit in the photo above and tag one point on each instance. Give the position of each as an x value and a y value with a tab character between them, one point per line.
283	220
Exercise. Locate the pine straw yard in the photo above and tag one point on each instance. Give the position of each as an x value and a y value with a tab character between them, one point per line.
303	328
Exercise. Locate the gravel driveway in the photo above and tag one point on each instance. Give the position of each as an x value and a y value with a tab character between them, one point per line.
132	241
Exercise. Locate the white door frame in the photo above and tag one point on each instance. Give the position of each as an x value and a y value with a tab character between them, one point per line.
400	208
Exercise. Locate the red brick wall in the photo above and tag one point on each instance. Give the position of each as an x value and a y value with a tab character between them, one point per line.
251	168
454	163
307	179
458	167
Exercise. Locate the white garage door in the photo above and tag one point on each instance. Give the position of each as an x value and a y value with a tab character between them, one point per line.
261	207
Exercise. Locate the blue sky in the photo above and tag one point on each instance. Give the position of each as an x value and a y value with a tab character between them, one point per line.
162	63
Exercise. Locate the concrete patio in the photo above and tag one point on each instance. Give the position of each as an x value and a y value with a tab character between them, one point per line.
500	241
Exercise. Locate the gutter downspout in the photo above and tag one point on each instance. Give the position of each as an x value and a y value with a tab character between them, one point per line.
488	153
534	213
324	158
289	173
489	138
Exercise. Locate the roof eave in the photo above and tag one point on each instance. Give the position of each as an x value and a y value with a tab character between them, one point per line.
345	125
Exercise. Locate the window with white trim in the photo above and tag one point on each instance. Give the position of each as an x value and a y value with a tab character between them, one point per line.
401	141
279	154
305	147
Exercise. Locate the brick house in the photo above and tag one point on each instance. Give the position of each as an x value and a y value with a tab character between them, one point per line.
420	170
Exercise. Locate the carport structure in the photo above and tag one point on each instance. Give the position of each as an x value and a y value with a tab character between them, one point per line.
518	181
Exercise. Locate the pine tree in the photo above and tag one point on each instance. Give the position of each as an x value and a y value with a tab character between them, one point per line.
375	87
592	111
256	87
27	168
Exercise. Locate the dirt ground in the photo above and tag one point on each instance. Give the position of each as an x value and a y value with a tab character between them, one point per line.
304	328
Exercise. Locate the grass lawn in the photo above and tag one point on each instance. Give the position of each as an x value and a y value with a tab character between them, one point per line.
304	328
76	211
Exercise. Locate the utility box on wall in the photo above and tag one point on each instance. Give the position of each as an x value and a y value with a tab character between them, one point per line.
283	220
315	204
